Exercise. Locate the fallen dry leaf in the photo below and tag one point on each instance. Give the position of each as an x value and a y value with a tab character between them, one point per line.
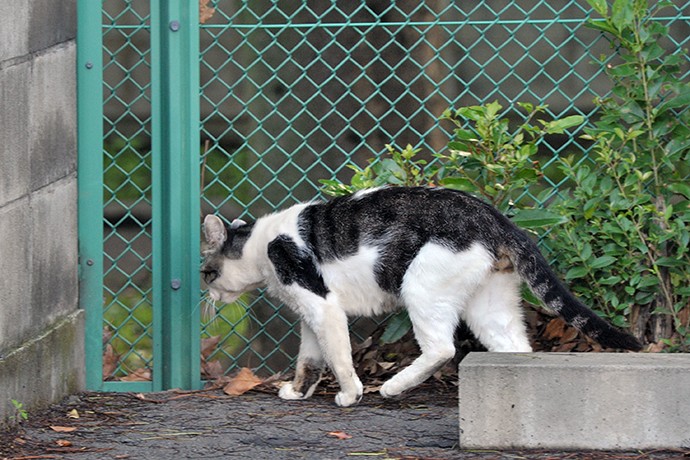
110	361
73	414
241	383
555	329
208	345
139	375
569	334
339	435
371	389
211	370
63	429
107	335
205	12
63	443
656	347
565	347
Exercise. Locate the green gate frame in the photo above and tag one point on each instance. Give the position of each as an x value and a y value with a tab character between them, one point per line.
175	174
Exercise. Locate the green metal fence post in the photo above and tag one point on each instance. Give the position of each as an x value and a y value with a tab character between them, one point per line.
176	185
90	183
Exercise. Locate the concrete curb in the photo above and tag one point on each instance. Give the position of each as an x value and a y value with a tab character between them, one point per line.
574	401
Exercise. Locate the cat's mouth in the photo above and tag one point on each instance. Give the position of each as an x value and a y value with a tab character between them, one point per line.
225	297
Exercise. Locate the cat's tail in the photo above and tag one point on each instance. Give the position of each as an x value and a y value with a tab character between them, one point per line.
545	284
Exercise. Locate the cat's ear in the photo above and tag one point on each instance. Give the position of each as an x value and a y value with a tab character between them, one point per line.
214	230
237	223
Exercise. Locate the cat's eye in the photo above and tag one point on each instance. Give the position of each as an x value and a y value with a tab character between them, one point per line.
209	275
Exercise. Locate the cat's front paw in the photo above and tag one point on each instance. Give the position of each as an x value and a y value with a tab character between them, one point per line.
343	399
287	391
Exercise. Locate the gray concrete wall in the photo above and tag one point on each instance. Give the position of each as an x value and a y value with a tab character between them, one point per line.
41	333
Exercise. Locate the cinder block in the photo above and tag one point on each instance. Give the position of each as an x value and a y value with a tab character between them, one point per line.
52	116
54	251
15	270
574	401
14	134
51	22
14	29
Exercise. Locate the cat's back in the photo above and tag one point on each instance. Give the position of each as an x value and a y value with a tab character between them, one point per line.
407	216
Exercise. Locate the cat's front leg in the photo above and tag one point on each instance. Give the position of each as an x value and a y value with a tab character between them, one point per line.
330	328
310	364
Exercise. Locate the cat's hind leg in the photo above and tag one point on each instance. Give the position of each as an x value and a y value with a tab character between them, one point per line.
310	364
435	288
434	333
494	314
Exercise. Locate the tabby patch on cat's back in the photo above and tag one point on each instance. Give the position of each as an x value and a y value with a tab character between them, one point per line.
443	255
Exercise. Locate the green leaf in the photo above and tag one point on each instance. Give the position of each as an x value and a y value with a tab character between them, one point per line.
586	252
622	14
619	321
682	99
599	6
492	109
680	188
529	297
458	183
527	106
603	261
670	262
611	280
576	272
335	188
534	218
457	147
676	146
559	126
591	207
473	113
398	325
465	135
600	25
528	174
647	281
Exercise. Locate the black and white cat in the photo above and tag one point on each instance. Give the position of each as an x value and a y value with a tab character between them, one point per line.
443	255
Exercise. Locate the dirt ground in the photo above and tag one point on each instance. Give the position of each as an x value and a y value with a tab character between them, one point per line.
257	425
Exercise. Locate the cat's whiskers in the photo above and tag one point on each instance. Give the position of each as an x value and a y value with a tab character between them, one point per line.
211	309
208	309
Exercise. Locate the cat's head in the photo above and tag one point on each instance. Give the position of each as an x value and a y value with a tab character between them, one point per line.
226	270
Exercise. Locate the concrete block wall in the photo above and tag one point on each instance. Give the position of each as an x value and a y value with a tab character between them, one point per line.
41	331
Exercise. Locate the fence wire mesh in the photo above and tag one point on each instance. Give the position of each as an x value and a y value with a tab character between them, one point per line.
293	92
127	189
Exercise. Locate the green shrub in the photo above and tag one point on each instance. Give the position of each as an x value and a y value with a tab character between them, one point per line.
624	246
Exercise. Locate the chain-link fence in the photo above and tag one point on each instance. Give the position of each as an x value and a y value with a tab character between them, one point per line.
293	92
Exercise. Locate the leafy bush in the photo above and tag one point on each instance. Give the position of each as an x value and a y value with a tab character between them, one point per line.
624	246
485	157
